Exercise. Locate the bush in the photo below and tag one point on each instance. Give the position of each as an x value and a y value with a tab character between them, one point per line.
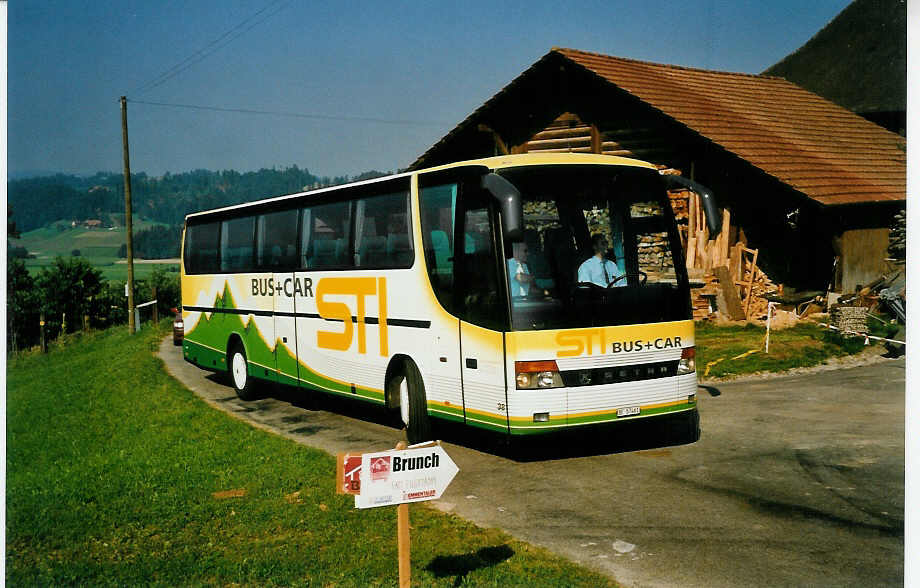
75	253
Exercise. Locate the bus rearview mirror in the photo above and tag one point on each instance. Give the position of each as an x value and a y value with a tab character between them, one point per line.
509	200
707	201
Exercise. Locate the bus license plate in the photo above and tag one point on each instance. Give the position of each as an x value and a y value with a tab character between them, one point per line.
632	410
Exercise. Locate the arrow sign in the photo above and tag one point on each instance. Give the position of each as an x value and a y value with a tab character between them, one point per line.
401	476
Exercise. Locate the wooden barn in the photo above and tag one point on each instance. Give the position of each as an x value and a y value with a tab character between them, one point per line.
810	185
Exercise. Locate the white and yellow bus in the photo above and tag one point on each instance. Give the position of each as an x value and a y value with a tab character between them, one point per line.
455	293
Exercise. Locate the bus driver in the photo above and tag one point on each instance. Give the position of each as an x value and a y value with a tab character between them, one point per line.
597	269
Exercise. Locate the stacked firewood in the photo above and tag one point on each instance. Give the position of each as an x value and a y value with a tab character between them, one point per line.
703	300
850	318
755	304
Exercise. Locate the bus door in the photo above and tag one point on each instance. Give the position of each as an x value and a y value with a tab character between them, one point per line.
285	329
278	254
482	307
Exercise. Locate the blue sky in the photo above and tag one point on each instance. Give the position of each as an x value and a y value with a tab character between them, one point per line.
427	64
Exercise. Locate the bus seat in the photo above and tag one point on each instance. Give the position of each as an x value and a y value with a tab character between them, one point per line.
475	243
399	252
275	260
373	252
562	256
341	249
441	247
323	253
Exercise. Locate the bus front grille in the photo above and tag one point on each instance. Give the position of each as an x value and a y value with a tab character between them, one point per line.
617	374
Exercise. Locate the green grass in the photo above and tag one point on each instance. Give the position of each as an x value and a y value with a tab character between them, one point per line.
111	470
804	345
98	246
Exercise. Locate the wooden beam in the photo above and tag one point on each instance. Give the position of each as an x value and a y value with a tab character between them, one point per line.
500	145
595	140
730	294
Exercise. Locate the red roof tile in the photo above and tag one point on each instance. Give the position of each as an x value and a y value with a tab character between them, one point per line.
822	150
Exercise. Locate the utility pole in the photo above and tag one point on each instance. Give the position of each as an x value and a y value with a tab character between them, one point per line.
128	227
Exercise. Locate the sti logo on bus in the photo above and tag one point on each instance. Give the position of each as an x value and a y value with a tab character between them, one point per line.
577	342
360	288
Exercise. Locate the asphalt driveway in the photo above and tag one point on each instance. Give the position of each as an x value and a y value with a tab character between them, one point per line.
796	480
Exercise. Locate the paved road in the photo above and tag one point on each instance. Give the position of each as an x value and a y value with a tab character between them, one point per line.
795	481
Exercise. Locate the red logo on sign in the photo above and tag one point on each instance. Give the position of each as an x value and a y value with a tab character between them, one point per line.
352	472
380	468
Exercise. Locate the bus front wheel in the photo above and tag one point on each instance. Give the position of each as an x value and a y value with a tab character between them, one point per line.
239	373
413	404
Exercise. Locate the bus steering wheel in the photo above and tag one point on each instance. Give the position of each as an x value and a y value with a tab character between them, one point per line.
640	273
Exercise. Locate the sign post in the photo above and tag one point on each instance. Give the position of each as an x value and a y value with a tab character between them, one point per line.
397	477
403	543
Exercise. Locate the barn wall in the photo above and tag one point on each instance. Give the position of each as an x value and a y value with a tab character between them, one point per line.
862	256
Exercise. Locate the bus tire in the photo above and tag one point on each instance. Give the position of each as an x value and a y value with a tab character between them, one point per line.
413	404
238	369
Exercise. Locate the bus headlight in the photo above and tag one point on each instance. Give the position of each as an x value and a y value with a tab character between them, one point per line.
687	364
531	375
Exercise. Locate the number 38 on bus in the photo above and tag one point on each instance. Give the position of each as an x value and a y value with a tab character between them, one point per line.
523	294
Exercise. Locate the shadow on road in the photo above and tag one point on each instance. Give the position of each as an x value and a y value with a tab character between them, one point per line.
713	391
584	441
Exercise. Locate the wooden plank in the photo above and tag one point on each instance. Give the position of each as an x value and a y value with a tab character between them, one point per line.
595	140
734	263
564	132
730	294
691	252
580	141
747	305
726	228
691	213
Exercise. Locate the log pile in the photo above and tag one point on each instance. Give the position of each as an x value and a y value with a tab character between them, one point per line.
850	318
742	274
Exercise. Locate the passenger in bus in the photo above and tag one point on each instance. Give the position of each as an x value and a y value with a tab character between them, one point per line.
597	269
518	273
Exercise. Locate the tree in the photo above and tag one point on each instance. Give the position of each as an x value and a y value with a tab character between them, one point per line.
69	287
21	306
11	232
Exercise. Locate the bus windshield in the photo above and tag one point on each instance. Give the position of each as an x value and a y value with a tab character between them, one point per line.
600	247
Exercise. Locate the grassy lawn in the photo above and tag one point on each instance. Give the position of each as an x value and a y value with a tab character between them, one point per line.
804	345
98	246
112	470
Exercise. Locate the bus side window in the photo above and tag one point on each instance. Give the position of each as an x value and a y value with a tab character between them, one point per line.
201	248
382	231
236	244
329	246
277	237
481	301
438	207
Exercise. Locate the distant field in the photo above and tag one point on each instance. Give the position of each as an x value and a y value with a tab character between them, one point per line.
98	246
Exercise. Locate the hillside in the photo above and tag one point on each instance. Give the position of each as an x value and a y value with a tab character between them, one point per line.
99	246
859	60
37	202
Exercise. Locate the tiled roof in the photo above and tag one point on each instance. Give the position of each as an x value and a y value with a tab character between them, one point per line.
822	150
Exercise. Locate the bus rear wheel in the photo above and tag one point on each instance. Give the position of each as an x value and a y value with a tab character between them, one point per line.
238	368
413	404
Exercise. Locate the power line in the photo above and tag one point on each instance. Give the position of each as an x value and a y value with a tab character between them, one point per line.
215	45
293	114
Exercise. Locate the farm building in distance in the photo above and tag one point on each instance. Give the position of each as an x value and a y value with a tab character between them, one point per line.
810	185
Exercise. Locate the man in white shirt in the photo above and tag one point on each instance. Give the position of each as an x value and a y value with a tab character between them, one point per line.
597	269
518	272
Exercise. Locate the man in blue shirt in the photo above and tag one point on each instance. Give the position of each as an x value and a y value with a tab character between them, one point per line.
518	272
597	269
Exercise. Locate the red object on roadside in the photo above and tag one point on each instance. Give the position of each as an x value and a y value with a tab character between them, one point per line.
178	328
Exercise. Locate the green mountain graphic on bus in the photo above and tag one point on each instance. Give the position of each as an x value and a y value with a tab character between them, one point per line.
210	336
